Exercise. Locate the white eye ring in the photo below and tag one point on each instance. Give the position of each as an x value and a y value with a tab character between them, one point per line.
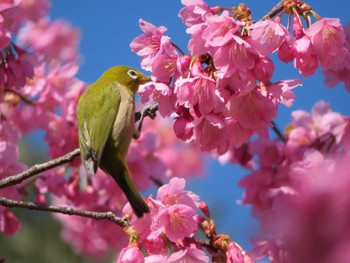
132	74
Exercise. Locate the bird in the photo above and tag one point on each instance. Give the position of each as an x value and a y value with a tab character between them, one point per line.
106	125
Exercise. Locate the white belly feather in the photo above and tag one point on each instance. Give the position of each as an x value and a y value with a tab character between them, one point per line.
124	125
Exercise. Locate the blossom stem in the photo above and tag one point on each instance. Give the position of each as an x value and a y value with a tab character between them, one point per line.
274	11
178	48
278	132
65	210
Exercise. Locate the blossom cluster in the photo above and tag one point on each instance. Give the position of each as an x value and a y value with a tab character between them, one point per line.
166	234
298	189
151	161
49	95
221	93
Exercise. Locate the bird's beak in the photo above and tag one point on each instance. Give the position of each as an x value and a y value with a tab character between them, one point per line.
145	79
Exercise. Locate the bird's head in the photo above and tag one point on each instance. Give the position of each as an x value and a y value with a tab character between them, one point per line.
128	77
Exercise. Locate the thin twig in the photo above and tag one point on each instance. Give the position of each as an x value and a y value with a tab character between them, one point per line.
274	11
65	210
278	132
38	168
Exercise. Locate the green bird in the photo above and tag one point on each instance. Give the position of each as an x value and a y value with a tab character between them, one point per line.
106	124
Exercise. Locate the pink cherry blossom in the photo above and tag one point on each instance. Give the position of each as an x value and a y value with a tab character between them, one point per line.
270	35
305	59
188	155
190	254
253	111
282	91
328	39
236	54
334	76
174	193
9	223
161	93
285	52
176	221
194	12
56	40
131	254
235	254
10	16
208	127
199	90
34	10
156	259
263	69
151	44
220	29
144	165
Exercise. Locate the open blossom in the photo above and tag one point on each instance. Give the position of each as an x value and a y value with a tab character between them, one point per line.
328	39
177	221
174	193
194	12
269	35
151	44
334	76
190	254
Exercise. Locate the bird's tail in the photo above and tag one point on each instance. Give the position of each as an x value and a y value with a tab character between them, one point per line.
117	168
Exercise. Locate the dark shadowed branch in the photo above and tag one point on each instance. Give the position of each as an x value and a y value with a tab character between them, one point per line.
65	210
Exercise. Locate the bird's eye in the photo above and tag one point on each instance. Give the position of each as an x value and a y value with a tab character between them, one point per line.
132	74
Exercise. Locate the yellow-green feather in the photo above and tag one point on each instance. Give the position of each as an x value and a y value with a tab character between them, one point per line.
100	146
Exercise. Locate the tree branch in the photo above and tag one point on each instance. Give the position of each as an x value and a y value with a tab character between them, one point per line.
38	168
278	132
274	11
65	210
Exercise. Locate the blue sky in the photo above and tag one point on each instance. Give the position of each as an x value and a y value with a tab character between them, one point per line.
107	27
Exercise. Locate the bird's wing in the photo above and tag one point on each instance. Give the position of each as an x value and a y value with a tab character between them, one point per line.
96	115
